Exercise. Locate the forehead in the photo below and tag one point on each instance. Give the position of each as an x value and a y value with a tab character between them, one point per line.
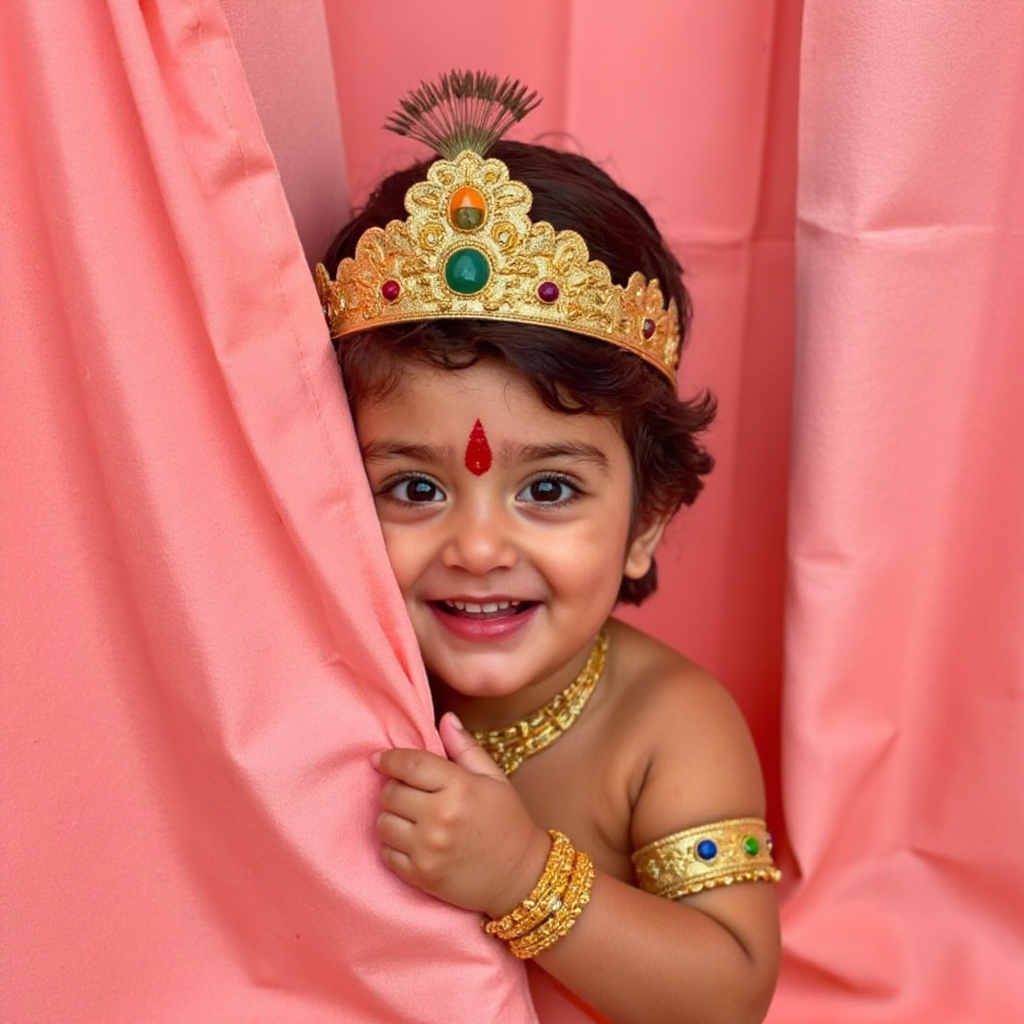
444	405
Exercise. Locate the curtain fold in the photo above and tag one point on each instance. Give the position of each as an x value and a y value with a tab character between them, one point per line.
903	729
202	641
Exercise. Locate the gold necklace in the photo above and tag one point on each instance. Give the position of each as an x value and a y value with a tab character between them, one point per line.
513	744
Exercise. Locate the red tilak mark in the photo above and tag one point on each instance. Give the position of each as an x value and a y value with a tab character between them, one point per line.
478	451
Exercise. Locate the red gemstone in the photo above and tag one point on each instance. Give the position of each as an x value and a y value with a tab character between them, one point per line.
391	290
649	326
548	292
478	451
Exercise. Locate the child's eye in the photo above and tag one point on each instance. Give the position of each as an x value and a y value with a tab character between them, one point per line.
416	490
549	490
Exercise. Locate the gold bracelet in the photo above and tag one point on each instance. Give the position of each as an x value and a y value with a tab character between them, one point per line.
565	916
719	853
545	896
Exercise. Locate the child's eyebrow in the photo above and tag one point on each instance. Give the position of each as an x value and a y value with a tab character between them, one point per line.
510	452
378	451
579	451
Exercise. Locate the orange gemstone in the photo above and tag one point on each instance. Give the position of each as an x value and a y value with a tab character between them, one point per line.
467	208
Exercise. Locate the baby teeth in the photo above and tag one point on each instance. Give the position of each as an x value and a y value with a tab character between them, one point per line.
476	609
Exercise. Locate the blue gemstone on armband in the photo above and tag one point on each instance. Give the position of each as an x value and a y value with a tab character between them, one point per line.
707	849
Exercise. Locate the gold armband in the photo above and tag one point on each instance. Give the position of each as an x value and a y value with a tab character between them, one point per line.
720	853
553	905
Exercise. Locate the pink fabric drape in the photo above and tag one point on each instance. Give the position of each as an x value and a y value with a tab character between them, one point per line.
202	642
903	735
285	52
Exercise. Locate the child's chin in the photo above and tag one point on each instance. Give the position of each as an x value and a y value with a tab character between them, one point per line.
482	677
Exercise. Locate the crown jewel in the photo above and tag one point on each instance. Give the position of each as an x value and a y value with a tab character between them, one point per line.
469	250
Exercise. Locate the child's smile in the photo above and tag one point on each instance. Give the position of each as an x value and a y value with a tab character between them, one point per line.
510	566
484	618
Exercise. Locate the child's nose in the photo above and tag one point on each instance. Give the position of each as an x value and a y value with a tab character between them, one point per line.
480	542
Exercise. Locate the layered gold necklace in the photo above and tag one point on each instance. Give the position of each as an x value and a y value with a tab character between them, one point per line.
513	744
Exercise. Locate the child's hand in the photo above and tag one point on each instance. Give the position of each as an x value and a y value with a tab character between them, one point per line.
457	829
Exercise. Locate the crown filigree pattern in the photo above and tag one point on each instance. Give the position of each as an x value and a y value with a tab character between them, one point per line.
469	250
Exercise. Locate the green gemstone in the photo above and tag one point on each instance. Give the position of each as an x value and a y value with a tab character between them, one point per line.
752	846
468	217
467	271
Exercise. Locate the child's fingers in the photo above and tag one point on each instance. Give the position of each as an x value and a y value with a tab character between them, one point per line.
464	750
398	863
405	801
396	832
417	768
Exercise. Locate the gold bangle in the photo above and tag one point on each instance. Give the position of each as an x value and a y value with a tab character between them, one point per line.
719	853
565	916
545	896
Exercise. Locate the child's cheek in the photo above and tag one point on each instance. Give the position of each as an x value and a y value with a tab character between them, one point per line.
402	552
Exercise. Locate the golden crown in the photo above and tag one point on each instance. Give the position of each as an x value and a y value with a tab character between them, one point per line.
468	249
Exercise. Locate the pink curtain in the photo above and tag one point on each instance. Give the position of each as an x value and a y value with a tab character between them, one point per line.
903	732
202	642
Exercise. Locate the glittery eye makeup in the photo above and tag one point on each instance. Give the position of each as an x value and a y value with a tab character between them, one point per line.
478	451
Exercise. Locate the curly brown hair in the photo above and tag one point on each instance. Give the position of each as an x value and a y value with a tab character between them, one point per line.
570	373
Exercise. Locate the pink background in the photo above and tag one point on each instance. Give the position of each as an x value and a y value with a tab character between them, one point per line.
191	680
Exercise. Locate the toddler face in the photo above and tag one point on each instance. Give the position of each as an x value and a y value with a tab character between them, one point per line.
507	524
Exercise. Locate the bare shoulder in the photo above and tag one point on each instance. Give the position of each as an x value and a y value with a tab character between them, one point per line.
695	760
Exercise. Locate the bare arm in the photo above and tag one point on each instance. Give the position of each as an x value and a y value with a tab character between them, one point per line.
709	957
640	959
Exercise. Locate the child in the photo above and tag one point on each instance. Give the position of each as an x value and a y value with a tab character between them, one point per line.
518	418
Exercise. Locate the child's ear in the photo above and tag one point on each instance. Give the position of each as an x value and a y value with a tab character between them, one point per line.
641	549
